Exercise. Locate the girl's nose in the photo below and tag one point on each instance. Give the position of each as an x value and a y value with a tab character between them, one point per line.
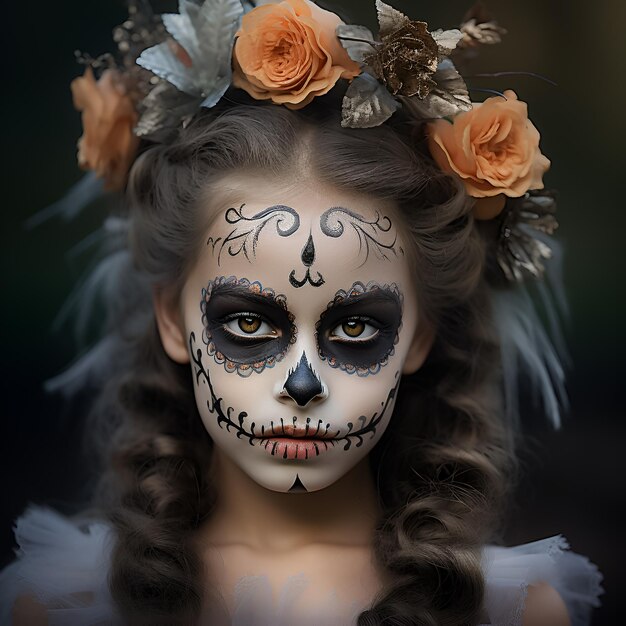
303	384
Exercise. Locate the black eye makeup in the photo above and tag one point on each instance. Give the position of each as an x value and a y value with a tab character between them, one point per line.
359	328
246	327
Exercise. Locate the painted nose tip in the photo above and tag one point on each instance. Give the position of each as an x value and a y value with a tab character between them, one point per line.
302	384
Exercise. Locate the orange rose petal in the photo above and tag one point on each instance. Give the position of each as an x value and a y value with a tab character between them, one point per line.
295	106
83	89
439	152
463	151
314	88
451	140
301	7
255	19
487	134
331	44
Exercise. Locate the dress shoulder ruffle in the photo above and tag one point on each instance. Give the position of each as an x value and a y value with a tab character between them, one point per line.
64	564
509	572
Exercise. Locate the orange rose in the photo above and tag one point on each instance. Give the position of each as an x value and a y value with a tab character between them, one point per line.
108	144
494	148
289	53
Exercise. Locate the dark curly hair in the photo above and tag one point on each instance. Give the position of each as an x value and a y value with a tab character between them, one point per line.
446	458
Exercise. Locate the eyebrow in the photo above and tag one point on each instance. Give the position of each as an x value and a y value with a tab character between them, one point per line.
371	297
246	293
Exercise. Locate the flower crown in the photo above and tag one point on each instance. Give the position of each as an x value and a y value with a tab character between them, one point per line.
291	51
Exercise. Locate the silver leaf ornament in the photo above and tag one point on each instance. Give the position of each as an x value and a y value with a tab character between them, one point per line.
249	5
447	40
355	41
389	19
206	32
448	98
367	103
165	110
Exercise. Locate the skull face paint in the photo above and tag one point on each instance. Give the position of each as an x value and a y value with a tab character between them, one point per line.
272	357
246	327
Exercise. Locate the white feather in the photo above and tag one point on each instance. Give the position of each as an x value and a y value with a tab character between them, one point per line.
80	195
531	351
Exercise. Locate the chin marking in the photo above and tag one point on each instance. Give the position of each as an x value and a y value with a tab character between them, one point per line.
297	486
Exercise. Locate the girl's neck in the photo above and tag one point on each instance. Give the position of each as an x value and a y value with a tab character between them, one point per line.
345	513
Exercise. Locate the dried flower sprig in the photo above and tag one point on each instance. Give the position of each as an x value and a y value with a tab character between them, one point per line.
480	28
409	62
520	253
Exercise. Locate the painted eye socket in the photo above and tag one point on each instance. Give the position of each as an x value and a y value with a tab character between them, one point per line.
249	325
354	329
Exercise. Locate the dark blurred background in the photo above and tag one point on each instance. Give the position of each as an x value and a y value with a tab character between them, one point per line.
572	479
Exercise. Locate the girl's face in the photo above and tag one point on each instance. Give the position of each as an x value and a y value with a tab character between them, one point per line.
299	319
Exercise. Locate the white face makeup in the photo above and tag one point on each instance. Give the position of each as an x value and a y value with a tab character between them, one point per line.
299	314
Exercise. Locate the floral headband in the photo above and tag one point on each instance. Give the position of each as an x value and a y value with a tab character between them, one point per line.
291	51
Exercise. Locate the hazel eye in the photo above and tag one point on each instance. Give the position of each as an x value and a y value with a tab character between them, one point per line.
354	330
249	325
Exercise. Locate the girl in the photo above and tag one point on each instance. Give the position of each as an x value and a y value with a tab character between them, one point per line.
301	415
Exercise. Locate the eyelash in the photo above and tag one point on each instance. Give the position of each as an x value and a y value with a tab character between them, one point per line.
250	338
267	337
360	342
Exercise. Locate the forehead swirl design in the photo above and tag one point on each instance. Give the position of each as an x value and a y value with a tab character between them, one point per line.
377	234
243	239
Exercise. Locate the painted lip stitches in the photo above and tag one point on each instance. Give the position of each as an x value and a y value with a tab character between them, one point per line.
298	443
296	449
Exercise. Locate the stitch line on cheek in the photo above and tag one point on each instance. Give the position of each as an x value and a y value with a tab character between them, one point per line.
243	369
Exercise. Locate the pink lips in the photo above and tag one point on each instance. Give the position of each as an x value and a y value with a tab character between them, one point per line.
296	449
297	443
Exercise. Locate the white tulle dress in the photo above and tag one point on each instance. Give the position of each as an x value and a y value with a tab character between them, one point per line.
65	566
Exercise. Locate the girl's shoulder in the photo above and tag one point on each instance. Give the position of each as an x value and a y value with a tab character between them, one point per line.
63	564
